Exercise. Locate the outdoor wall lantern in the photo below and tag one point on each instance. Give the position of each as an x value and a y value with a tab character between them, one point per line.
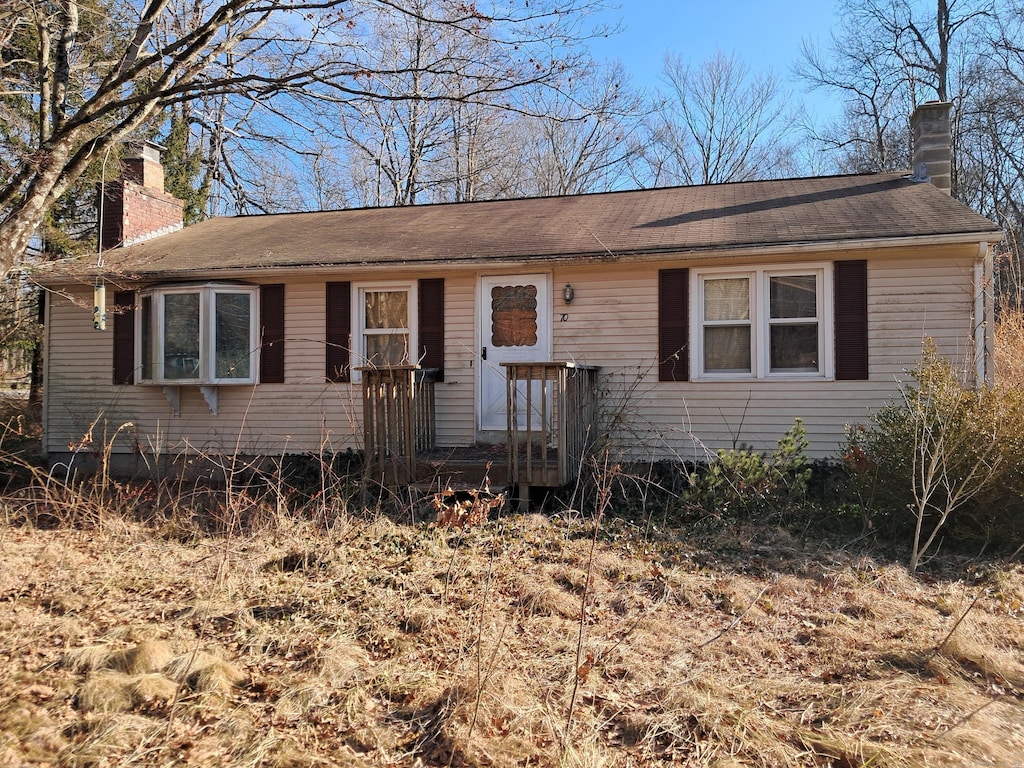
568	293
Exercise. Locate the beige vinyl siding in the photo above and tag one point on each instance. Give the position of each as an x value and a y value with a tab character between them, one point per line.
612	323
910	302
305	414
612	320
81	402
456	396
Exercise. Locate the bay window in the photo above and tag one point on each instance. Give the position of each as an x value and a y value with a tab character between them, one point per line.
198	334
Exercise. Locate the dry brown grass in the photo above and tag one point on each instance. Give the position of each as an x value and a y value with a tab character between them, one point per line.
420	646
1009	348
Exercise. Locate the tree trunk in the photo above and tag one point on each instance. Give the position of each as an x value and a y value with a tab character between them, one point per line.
42	187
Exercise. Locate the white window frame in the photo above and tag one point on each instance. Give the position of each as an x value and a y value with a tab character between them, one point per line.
760	321
359	320
206	363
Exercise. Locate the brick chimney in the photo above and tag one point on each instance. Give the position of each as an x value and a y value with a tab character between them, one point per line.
135	207
932	161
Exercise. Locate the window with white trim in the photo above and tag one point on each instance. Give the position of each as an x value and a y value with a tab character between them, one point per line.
383	316
198	334
763	322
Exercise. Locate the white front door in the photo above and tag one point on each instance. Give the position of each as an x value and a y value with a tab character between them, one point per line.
515	326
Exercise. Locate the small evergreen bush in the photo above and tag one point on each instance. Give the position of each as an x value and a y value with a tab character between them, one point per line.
742	483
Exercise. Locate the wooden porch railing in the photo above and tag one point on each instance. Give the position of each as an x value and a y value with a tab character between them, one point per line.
398	421
552	420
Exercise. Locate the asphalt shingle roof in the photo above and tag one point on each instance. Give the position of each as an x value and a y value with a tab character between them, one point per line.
678	219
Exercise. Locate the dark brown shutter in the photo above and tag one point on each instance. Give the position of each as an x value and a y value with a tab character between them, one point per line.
431	325
339	329
674	325
851	289
272	334
124	337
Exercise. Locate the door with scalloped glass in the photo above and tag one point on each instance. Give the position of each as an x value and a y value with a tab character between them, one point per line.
515	326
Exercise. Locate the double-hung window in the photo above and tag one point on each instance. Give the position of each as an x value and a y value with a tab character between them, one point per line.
383	315
766	322
727	322
198	334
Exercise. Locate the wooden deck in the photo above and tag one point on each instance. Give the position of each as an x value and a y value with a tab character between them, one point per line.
477	466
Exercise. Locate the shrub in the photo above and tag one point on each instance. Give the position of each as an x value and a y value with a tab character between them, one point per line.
945	459
743	482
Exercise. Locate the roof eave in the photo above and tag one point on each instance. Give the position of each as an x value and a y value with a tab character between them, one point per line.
669	253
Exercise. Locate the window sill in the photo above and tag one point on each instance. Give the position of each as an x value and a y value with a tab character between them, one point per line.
749	378
196	383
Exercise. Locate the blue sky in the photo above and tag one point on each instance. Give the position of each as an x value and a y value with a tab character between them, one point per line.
763	34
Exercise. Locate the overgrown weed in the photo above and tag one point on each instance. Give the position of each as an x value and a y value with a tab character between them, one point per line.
554	639
632	626
944	466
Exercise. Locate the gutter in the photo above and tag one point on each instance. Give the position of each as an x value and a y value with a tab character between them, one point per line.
44	412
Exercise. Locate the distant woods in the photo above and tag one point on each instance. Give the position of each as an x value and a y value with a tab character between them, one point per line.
887	56
301	105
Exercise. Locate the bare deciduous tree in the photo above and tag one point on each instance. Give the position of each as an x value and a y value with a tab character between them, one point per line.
871	133
887	57
991	154
718	122
84	93
585	136
571	135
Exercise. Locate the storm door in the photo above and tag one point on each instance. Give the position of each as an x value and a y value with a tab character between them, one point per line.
515	326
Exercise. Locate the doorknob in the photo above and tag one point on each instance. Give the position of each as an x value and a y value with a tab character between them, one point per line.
483	353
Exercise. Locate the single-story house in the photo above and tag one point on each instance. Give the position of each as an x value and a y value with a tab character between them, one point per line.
700	317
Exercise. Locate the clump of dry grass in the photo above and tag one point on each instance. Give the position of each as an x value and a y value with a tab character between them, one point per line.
112	692
88	659
146	656
204	672
538	597
146	676
969	647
